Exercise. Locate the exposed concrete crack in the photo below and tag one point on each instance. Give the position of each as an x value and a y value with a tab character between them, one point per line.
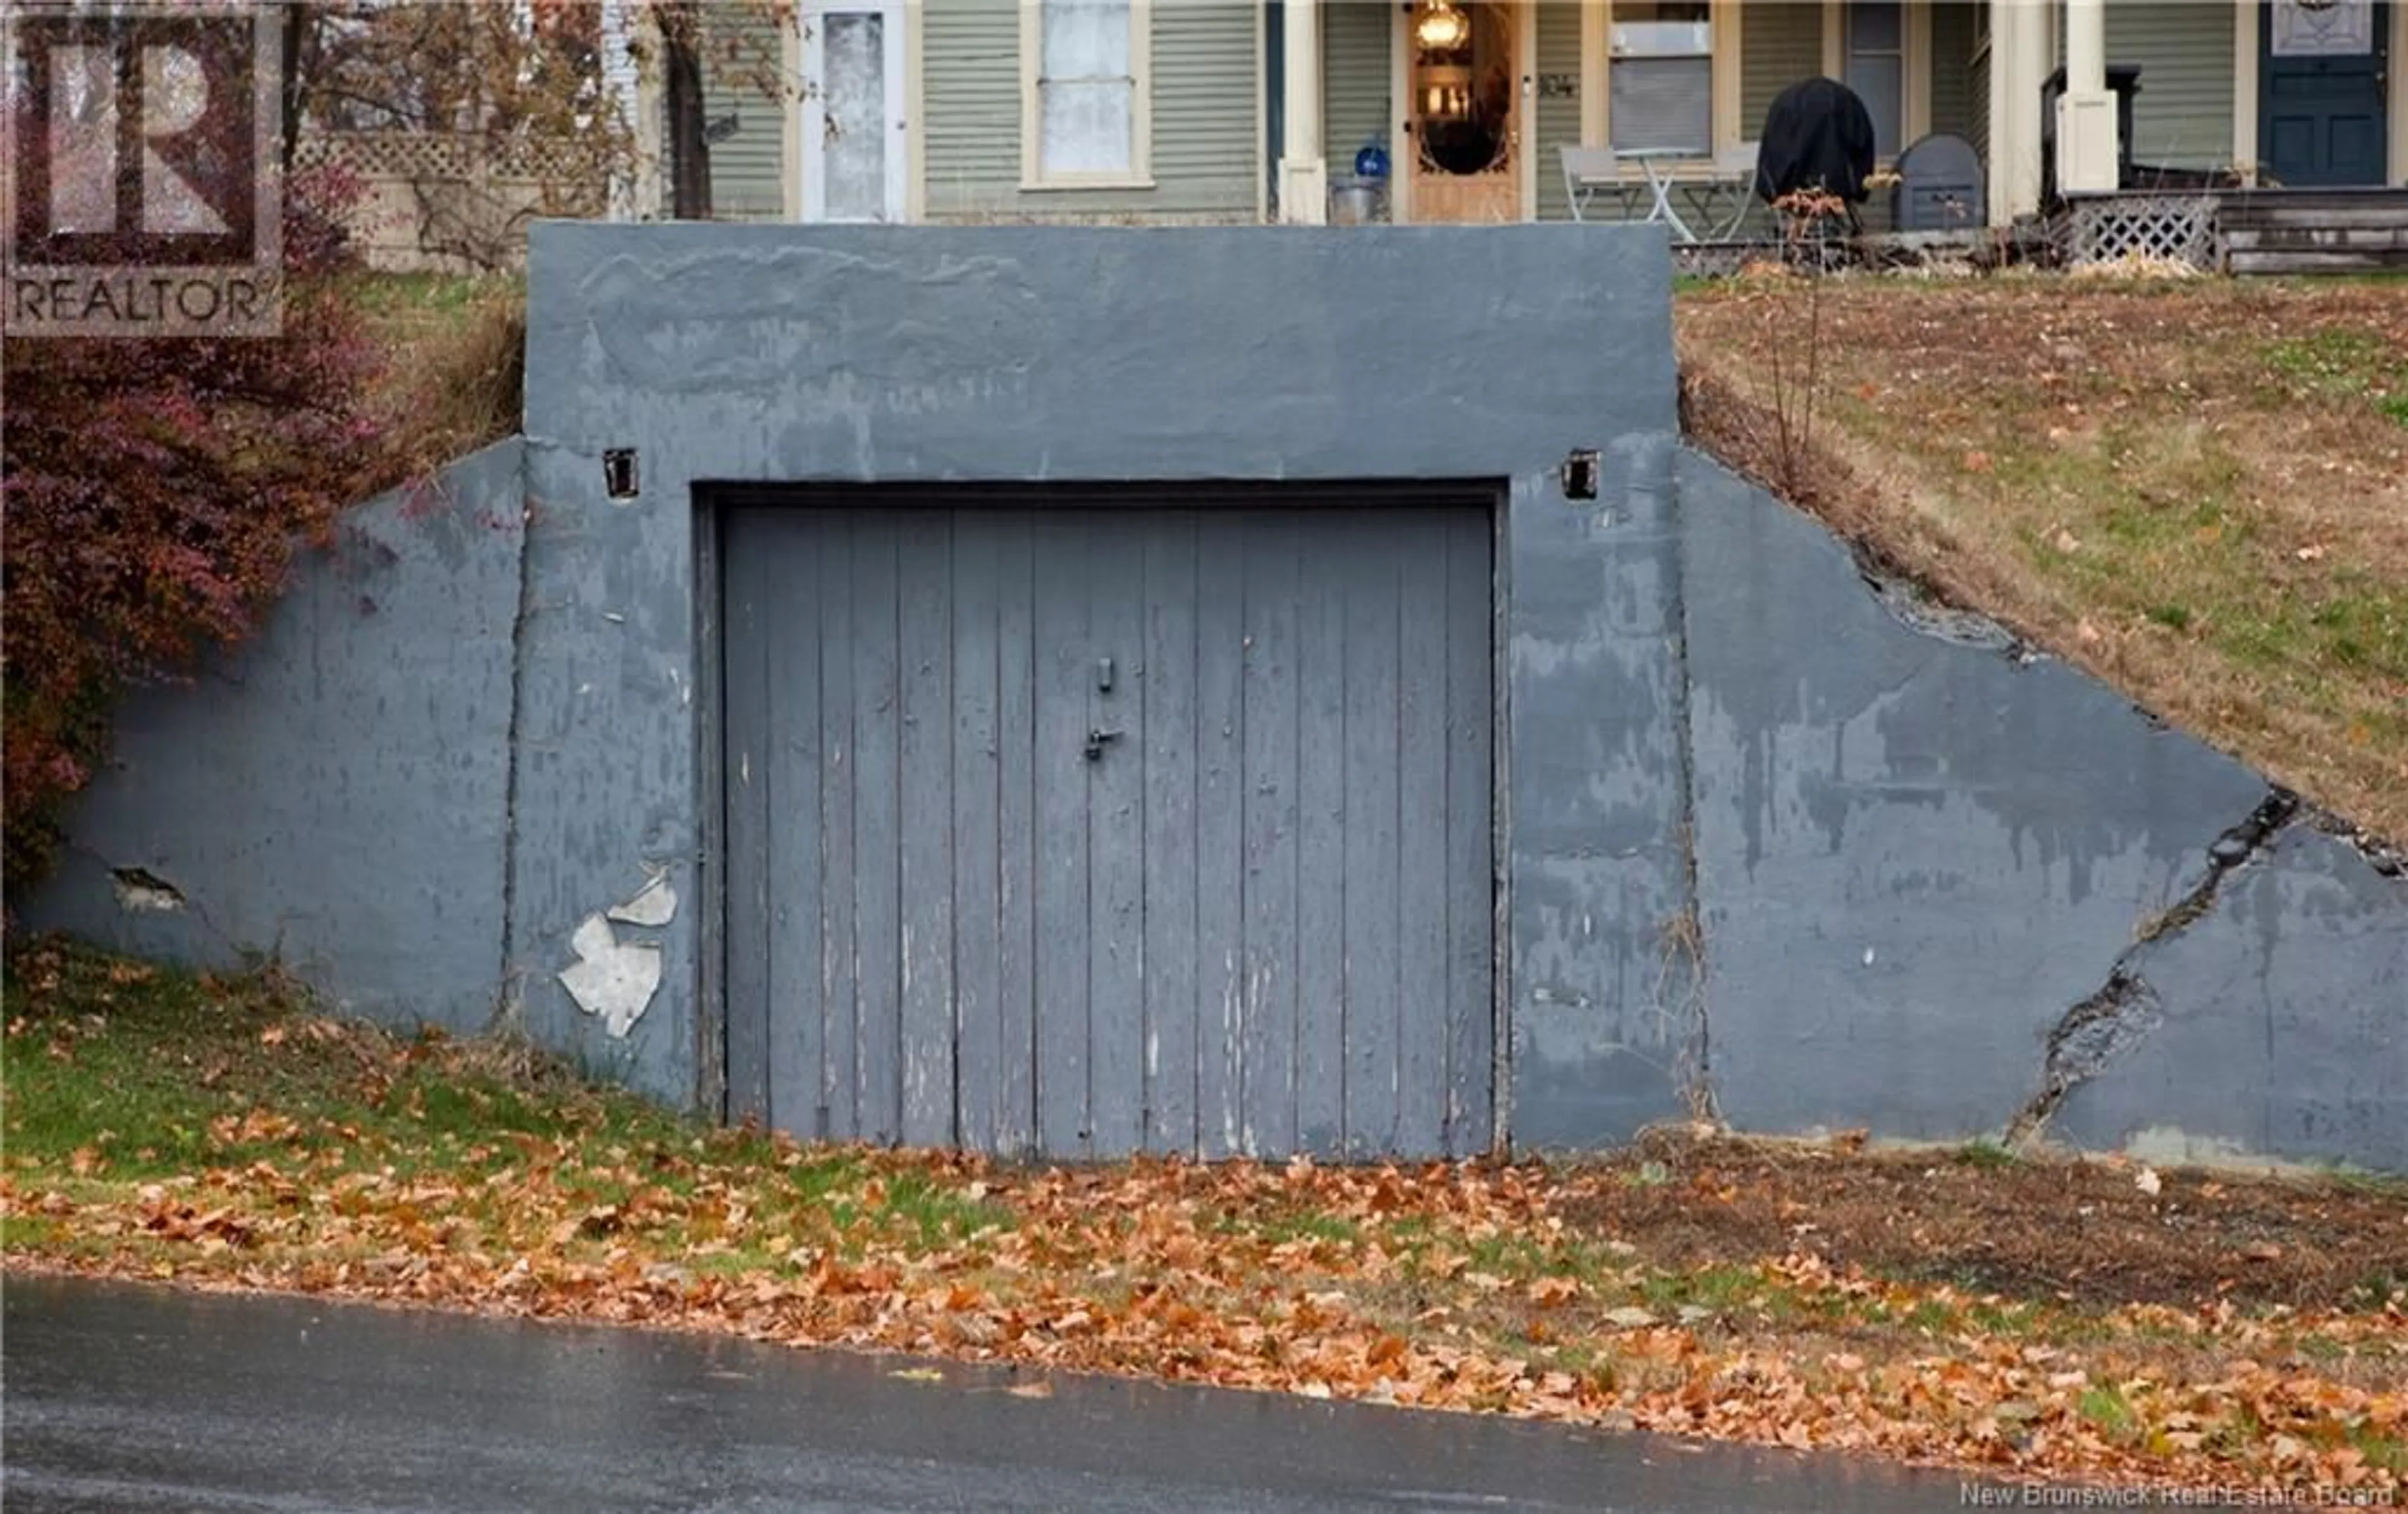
2229	851
2093	1034
1680	1001
2126	1008
1685	935
2386	857
1915	607
505	994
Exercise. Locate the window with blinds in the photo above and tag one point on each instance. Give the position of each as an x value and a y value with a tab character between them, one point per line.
1086	89
1660	76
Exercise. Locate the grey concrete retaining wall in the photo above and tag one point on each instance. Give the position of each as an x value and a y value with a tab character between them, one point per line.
1923	858
336	794
1769	851
730	354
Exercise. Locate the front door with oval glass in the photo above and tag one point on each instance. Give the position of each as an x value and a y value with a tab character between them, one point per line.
1463	111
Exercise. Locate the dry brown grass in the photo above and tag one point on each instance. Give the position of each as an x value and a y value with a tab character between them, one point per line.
2196	490
456	371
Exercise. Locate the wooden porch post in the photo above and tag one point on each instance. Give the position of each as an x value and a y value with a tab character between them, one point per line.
2088	152
1304	172
2018	64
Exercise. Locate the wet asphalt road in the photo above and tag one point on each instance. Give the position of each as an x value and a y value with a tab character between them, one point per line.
123	1398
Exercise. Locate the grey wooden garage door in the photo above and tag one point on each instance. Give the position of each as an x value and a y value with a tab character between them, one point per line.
1080	830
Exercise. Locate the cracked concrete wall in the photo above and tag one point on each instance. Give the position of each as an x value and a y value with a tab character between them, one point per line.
2283	1021
1604	1020
1926	865
1775	846
334	791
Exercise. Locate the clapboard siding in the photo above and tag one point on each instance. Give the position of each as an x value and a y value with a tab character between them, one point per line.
1558	123
2183	116
1257	920
1206	146
1356	82
743	63
1952	101
1780	44
969	52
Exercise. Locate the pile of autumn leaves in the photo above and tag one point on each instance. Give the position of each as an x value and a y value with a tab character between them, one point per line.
1451	1286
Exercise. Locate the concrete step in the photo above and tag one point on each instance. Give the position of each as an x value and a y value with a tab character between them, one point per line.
2337	238
2333	199
2318	261
2395	217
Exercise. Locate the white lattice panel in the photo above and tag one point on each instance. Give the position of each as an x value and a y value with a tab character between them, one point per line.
391	154
2148	228
442	156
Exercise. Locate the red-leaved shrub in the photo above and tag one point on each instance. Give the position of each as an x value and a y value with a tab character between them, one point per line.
155	493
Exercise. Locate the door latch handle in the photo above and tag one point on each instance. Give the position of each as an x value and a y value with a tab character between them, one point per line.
1095	739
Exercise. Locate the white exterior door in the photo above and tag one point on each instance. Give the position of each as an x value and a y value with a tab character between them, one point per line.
853	162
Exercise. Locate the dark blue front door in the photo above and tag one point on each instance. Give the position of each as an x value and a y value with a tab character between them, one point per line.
2321	81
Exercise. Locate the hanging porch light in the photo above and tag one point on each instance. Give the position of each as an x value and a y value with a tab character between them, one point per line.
1441	27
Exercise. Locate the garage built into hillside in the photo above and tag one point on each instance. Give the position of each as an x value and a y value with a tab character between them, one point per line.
1086	821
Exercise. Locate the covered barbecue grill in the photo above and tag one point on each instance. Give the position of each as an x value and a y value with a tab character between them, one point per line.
1817	136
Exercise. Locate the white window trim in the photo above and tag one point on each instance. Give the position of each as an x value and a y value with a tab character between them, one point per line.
2396	94
1033	177
1725	21
915	109
2244	88
793	199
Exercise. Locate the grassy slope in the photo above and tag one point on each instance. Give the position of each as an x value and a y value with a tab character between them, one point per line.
455	373
2196	489
214	1131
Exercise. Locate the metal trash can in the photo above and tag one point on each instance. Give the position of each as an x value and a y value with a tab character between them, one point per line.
1940	186
1357	202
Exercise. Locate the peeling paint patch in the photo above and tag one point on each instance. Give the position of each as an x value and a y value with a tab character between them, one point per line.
654	904
140	889
613	979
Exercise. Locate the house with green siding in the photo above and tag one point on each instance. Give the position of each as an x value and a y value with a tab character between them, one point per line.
1436	111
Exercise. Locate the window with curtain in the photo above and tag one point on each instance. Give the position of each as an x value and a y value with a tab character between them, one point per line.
1877	68
1086	88
1661	76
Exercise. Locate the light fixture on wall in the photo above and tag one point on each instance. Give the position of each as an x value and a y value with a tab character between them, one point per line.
1446	94
1440	27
